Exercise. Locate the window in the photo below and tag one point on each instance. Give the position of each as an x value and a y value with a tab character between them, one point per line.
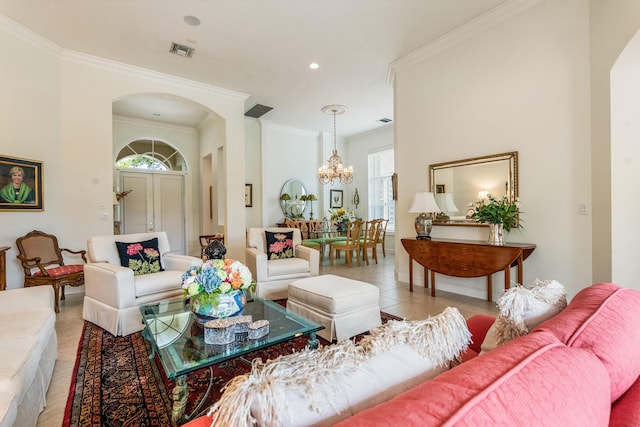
150	154
380	170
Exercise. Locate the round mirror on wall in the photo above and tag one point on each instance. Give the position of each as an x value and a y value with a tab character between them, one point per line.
290	195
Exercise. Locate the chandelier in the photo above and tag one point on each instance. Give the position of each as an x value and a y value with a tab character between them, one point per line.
334	170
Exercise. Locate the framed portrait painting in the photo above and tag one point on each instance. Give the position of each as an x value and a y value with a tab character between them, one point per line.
336	198
21	184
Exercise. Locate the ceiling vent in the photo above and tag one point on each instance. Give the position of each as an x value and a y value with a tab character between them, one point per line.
385	120
182	50
258	111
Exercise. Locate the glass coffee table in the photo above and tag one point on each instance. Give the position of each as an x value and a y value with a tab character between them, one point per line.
178	338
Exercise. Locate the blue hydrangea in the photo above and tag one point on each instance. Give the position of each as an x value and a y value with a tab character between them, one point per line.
189	272
209	279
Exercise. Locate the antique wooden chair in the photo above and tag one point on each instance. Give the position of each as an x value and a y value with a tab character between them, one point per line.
369	239
43	264
383	234
350	244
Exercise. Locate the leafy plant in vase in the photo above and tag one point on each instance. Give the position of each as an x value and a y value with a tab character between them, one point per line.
501	215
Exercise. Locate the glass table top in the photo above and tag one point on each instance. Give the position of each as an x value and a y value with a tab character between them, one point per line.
179	338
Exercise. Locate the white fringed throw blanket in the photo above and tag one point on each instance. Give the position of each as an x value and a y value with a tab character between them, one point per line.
439	340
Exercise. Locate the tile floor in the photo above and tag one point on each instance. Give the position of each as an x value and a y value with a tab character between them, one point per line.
395	298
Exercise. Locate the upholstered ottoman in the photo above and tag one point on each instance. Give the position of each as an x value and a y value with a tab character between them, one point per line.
345	307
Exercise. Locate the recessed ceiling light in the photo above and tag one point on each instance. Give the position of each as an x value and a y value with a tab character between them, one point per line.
314	66
192	20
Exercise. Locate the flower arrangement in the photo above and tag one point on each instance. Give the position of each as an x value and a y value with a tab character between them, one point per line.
341	215
216	277
498	211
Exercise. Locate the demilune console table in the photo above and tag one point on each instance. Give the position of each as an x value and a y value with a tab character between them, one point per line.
466	258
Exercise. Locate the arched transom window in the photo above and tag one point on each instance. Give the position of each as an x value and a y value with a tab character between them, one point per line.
151	154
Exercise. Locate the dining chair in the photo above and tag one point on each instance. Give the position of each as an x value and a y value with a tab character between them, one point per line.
349	245
383	234
369	240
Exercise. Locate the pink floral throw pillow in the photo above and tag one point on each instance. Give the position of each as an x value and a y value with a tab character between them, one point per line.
279	245
141	257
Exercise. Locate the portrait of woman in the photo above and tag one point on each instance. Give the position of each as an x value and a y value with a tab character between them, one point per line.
17	191
20	184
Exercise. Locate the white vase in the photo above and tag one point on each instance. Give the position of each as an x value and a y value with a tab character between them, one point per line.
496	234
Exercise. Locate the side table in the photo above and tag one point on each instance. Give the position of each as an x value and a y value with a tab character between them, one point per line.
466	258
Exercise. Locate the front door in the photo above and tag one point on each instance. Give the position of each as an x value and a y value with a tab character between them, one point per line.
156	203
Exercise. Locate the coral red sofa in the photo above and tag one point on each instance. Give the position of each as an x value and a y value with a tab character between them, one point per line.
579	368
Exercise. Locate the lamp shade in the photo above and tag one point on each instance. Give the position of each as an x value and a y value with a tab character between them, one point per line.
445	202
424	202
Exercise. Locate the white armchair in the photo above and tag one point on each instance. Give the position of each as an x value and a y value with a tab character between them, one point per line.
113	293
273	276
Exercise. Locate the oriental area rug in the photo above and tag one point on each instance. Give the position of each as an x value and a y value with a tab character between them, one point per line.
116	384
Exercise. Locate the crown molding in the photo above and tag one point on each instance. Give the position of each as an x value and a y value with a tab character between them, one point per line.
29	36
487	20
382	129
269	125
138	121
139	72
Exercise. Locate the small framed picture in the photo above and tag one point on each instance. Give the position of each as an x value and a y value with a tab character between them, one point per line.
21	184
439	188
336	198
248	195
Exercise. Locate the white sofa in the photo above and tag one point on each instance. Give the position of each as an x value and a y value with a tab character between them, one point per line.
113	294
28	351
273	276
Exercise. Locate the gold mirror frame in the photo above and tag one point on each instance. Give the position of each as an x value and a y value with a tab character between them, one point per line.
447	171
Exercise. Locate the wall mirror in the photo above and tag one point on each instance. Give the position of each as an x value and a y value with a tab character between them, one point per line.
457	185
290	202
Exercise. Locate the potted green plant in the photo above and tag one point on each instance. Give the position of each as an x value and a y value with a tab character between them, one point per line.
501	215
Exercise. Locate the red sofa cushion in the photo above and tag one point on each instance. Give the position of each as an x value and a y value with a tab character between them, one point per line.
604	319
532	380
625	412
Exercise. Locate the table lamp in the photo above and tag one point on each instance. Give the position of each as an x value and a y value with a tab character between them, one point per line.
445	203
424	203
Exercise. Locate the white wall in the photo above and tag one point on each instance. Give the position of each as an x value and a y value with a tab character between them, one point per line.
253	166
613	24
358	147
522	85
30	121
625	164
287	153
58	108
